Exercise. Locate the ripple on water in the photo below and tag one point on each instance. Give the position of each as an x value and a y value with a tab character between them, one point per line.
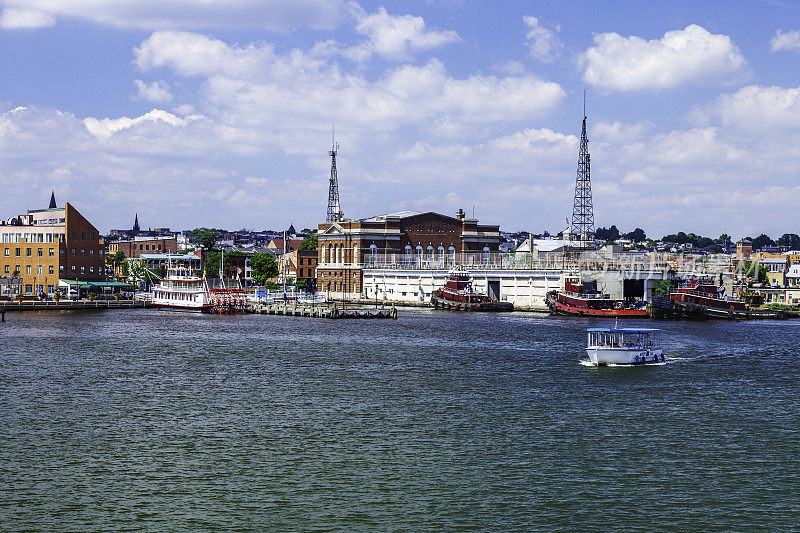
143	420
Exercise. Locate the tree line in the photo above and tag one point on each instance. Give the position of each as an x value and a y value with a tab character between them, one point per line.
610	234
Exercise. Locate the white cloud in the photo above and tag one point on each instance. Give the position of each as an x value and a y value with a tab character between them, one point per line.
106	127
191	14
252	82
396	37
786	41
13	18
542	41
157	92
688	56
756	109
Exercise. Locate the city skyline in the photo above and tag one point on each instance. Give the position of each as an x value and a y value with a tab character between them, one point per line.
221	115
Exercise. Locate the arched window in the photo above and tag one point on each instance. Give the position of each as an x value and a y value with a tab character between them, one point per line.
486	254
419	249
451	252
355	257
430	252
440	253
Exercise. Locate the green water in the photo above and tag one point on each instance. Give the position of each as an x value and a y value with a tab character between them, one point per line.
144	420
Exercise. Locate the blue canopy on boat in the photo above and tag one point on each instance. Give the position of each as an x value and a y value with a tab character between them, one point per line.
624	330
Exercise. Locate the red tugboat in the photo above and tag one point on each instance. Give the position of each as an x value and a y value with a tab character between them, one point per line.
698	299
457	294
586	300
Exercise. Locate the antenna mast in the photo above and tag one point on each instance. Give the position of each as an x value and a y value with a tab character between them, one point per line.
334	210
581	231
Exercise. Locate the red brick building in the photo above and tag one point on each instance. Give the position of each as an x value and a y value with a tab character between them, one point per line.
346	246
145	245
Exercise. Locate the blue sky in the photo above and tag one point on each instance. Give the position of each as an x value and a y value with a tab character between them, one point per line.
218	113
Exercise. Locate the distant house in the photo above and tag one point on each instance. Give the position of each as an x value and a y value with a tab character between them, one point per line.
277	245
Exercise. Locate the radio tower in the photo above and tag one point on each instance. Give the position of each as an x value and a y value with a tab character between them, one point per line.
334	210
581	231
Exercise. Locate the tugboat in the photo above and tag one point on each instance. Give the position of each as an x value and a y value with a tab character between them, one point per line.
586	300
623	346
700	299
457	294
182	290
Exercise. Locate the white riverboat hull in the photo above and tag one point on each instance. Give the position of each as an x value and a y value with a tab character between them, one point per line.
604	355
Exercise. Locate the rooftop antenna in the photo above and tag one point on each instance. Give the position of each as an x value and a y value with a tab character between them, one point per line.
581	234
334	209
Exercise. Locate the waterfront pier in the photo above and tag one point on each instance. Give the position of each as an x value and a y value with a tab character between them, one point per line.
321	310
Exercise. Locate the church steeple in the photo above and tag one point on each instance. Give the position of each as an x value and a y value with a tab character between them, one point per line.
53	200
136	223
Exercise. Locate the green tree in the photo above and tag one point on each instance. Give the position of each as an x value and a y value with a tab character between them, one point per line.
310	243
115	260
762	241
211	265
264	267
206	238
792	240
637	235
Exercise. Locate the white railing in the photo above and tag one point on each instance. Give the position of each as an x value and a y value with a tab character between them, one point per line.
570	262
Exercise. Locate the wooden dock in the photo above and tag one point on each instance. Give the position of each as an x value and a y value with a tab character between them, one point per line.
68	305
321	310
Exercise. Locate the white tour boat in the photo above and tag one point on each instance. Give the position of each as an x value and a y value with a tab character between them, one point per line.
182	290
623	346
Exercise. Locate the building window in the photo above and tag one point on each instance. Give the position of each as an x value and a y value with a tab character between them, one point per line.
74	235
28	270
7	269
73	269
52	252
91	252
17	252
39	269
28	252
50	269
8	252
83	270
83	253
91	270
451	251
74	253
486	254
440	252
83	235
419	249
430	252
61	269
61	252
28	289
40	252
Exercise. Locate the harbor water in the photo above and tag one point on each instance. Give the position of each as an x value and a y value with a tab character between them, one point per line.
151	420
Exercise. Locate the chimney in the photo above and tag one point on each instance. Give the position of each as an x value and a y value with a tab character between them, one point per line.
460	215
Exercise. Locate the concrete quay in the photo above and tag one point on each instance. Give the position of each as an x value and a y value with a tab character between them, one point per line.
69	305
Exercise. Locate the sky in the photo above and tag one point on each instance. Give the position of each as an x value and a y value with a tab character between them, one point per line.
219	113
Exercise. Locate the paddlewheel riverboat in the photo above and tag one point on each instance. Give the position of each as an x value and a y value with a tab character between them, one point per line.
623	346
458	294
182	290
585	300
